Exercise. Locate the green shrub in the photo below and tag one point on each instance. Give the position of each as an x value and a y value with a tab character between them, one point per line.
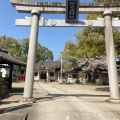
77	81
14	79
81	74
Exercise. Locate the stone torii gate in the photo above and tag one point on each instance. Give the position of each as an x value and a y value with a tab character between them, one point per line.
36	8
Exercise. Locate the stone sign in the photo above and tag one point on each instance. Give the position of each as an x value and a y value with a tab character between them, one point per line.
72	8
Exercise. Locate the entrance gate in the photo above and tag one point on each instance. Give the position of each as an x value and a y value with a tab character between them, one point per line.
36	8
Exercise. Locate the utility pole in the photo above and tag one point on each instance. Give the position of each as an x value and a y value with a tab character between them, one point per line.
61	66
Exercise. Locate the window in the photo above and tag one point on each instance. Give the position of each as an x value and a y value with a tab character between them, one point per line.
36	73
51	73
75	76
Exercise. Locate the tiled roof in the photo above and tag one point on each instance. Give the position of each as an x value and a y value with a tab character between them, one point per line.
49	64
8	58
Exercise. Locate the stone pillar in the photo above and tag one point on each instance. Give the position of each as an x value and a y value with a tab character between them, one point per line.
29	81
112	70
58	79
38	74
47	75
10	77
54	73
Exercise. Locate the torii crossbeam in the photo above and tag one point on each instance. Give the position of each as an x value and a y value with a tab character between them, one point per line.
43	22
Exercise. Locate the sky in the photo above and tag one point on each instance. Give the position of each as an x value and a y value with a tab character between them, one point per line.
53	38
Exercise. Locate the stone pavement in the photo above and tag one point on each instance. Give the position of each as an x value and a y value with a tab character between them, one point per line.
17	93
73	102
90	93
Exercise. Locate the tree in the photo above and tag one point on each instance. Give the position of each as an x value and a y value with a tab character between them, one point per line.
69	55
107	0
92	66
43	54
19	50
90	42
25	47
116	35
12	46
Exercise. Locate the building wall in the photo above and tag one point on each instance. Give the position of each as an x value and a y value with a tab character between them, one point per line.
45	74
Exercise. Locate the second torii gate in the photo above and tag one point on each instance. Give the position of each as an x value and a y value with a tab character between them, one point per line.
34	22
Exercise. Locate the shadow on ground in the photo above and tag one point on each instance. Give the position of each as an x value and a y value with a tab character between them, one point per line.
51	97
17	90
10	109
8	102
104	89
77	95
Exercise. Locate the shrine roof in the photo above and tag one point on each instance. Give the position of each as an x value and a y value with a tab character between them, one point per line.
7	58
49	64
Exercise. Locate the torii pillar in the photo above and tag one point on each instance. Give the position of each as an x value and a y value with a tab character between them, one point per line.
29	81
112	71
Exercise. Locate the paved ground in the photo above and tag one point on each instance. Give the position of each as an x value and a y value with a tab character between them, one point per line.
86	92
16	94
61	102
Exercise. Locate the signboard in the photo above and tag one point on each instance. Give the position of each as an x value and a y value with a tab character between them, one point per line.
72	9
